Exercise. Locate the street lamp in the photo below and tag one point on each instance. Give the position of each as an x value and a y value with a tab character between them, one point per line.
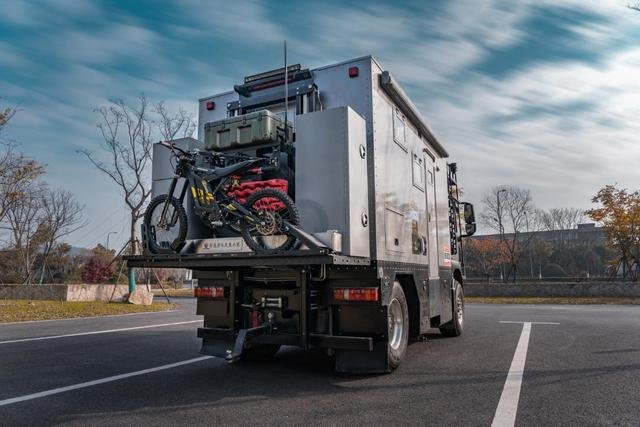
109	235
526	218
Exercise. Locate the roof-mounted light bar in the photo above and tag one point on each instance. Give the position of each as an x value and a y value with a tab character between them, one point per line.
290	69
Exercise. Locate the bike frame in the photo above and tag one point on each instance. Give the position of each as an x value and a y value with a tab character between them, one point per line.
204	199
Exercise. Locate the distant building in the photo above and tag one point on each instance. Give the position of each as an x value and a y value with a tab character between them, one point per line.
584	233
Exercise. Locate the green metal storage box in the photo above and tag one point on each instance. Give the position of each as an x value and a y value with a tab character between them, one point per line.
259	127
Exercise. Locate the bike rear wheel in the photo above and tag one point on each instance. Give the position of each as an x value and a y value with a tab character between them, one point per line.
165	236
273	207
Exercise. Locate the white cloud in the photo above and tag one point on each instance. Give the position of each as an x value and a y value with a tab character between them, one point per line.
565	156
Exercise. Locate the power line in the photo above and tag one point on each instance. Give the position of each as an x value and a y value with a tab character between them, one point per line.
91	233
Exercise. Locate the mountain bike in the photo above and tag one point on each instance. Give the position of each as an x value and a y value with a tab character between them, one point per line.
266	219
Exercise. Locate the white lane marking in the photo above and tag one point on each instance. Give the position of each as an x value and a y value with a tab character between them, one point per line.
100	381
108	331
531	323
508	405
86	317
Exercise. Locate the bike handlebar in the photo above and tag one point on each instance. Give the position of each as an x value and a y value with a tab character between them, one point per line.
172	147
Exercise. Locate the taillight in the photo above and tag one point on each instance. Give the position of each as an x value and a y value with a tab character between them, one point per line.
208	292
211	105
356	294
353	72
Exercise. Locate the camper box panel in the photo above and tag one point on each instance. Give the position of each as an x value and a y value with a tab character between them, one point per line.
219	111
337	89
400	190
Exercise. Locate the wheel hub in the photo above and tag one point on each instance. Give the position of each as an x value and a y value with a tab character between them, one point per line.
460	308
396	324
269	223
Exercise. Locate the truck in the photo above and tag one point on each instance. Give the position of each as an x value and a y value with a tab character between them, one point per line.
380	204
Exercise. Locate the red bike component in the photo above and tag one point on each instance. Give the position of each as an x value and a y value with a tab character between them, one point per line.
244	190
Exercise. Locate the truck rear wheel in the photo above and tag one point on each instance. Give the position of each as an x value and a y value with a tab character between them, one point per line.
398	320
454	327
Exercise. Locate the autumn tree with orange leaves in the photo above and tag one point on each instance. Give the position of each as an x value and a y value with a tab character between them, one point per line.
486	255
619	214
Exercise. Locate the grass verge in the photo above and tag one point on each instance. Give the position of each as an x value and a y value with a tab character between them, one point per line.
24	310
553	300
173	292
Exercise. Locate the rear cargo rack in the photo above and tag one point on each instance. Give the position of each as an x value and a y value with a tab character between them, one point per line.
223	261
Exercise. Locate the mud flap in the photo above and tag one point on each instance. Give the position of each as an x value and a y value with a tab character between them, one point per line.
364	362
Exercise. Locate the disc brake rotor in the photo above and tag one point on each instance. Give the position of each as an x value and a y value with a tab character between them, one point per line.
271	223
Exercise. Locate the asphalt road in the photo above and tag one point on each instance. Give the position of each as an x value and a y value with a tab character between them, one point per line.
584	370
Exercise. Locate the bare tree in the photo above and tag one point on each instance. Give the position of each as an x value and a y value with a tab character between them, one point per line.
560	218
169	125
61	216
127	134
17	172
24	222
510	211
634	6
5	115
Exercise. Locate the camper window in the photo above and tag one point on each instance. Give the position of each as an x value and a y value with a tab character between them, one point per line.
399	132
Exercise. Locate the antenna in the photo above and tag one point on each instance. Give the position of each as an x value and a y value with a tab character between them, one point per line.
286	95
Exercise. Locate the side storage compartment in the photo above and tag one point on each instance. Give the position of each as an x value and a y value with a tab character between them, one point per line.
331	176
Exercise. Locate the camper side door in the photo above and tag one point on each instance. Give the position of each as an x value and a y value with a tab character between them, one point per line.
432	238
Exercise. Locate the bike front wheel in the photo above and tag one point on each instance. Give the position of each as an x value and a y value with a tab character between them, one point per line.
272	207
165	235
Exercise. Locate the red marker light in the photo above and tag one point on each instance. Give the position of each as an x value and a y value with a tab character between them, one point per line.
356	294
208	292
353	72
211	105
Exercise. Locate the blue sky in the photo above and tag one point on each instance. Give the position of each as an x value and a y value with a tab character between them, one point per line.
541	94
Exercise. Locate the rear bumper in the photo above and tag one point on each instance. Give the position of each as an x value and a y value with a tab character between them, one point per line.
229	344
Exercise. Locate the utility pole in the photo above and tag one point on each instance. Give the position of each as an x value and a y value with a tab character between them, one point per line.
500	228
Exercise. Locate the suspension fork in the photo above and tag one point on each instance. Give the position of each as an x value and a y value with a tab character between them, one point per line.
165	208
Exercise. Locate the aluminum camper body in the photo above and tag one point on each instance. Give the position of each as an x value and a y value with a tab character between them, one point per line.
367	168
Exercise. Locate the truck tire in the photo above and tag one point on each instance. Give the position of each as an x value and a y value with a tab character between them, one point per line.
260	351
398	321
455	327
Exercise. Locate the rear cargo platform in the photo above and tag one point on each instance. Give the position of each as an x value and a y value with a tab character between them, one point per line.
223	261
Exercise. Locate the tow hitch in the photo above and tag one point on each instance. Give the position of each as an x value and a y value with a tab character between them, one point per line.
221	342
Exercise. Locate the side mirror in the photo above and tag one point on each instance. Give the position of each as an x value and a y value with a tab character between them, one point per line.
469	229
469	219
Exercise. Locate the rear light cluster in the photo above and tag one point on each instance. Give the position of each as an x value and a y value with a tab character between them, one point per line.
356	294
208	292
